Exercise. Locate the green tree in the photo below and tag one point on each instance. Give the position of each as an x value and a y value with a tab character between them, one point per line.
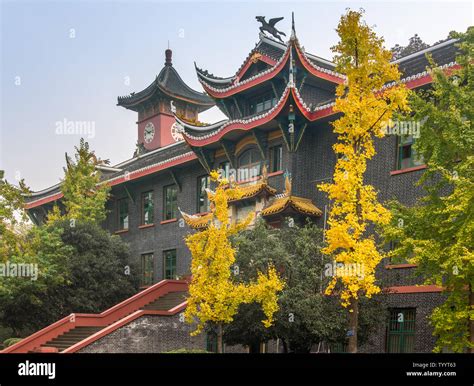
84	196
414	44
82	268
438	232
13	217
24	299
21	244
306	316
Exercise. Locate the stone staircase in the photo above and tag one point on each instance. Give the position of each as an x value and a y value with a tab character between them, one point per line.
72	337
166	302
77	334
77	330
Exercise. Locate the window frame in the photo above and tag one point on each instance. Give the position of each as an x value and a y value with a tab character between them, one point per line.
143	196
272	158
407	336
174	267
407	141
147	277
262	100
250	150
211	341
174	209
119	214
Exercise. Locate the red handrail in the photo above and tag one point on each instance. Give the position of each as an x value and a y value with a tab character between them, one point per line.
105	318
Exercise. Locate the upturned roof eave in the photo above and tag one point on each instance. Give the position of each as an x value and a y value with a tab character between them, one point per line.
196	98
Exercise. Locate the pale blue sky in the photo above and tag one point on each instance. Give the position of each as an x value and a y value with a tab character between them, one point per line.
48	76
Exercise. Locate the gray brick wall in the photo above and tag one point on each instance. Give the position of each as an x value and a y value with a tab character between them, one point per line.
153	334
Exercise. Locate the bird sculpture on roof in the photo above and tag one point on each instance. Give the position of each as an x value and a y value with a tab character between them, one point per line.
270	26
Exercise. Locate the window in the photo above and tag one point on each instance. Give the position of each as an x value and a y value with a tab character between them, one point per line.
147	208
407	156
276	158
203	201
122	213
170	205
262	103
224	167
249	164
211	341
169	264
147	269
401	330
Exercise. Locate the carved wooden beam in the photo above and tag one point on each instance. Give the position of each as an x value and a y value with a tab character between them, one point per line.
303	81
204	158
224	107
261	140
238	107
274	89
175	180
284	131
128	194
229	150
32	217
299	132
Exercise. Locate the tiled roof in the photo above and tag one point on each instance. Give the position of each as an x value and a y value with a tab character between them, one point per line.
197	221
169	82
443	53
129	166
298	204
410	65
254	190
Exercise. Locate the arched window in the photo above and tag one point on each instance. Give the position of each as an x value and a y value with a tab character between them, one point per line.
249	164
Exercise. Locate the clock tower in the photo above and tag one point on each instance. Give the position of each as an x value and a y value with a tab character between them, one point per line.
156	124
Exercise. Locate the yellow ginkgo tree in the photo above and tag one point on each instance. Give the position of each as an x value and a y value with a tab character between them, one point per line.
214	297
368	97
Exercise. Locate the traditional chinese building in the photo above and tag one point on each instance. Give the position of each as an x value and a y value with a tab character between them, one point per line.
276	141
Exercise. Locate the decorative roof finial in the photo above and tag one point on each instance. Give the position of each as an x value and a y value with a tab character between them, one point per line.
293	31
168	55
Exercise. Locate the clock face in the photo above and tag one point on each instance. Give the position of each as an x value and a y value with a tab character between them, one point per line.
176	133
149	132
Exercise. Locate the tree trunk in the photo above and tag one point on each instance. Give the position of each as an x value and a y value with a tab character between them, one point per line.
219	339
353	324
471	322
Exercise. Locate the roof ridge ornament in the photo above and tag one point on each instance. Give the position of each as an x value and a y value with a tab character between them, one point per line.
293	31
270	26
168	56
